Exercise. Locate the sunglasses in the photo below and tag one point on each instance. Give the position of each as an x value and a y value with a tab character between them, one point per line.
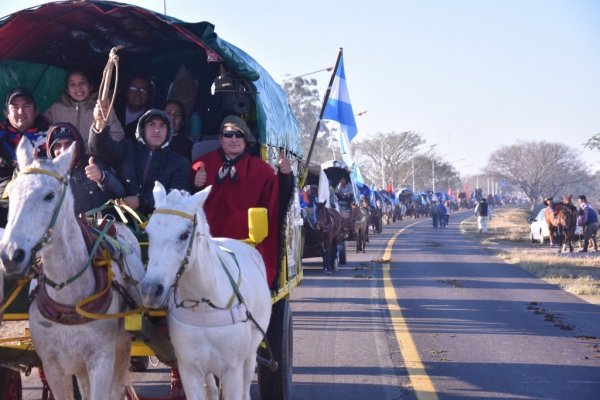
137	89
230	134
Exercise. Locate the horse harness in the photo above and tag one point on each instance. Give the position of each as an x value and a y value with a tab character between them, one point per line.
92	307
219	316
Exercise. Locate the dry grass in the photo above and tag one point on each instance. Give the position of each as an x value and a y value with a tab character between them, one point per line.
508	237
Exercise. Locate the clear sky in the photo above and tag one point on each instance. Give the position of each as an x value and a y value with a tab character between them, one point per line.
470	75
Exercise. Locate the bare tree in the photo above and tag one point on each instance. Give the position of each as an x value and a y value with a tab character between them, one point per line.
538	168
305	102
593	142
386	156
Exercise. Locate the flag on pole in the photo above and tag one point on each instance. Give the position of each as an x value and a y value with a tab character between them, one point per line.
339	108
358	181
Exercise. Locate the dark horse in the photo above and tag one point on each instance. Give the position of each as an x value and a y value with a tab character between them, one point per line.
562	220
360	215
327	231
375	219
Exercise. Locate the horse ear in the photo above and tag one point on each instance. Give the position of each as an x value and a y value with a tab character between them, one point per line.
63	161
200	197
159	192
24	153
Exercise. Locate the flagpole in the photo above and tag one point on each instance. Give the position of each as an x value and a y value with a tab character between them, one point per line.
314	138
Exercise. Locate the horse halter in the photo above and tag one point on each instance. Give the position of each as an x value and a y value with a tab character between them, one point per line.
48	234
191	217
186	261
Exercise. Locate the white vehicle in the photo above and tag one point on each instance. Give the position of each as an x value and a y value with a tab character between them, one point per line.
539	231
539	227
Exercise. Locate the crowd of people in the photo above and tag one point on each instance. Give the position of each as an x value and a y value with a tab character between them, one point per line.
120	154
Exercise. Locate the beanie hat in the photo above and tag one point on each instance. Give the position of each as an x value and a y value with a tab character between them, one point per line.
234	122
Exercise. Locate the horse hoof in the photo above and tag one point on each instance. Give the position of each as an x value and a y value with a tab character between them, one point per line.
363	251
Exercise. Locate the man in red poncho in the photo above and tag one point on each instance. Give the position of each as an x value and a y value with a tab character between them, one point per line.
241	181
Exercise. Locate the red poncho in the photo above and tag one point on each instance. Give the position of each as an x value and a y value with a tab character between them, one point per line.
226	208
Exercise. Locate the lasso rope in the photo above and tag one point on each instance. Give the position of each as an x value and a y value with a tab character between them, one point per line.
104	90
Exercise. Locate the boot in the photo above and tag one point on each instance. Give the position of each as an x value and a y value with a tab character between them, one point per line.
585	246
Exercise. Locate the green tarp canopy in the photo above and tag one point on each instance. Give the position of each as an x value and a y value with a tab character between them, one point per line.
39	44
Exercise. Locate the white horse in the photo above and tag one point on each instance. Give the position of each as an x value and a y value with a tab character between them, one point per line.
210	285
42	223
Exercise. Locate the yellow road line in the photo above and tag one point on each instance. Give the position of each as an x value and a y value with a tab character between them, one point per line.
421	383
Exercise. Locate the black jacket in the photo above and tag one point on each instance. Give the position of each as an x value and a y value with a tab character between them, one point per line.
139	167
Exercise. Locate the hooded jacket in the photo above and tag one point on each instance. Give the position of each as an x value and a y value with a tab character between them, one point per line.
87	193
81	115
139	167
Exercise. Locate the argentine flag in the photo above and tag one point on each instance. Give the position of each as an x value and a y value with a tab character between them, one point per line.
339	108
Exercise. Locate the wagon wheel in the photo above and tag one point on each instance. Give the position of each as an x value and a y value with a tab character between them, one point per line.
278	385
10	384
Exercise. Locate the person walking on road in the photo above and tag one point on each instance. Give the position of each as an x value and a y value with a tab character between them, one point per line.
483	212
443	215
588	220
435	214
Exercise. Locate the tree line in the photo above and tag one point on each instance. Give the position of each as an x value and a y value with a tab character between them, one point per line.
538	169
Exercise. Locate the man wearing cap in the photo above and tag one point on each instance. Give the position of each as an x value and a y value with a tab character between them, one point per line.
241	181
588	220
139	164
22	119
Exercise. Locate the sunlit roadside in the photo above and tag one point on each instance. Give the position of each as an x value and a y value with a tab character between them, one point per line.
509	238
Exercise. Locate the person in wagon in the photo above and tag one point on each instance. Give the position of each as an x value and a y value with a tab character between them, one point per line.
92	182
22	120
344	189
241	181
180	143
136	99
139	164
76	105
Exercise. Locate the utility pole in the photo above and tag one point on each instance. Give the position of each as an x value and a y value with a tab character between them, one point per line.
382	165
412	166
433	174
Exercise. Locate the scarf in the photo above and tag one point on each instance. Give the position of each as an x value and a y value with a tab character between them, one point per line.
228	168
10	137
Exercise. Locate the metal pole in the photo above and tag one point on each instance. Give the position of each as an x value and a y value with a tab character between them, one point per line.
412	162
325	99
382	165
433	174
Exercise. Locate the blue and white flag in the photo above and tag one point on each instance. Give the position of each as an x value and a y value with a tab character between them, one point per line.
339	108
372	198
358	181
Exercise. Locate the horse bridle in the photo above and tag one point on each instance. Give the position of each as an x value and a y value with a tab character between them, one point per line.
186	261
272	363
45	239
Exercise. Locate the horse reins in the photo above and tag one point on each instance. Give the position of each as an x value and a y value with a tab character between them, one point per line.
272	363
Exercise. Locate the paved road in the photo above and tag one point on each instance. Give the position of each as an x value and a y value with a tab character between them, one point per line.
468	326
443	320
